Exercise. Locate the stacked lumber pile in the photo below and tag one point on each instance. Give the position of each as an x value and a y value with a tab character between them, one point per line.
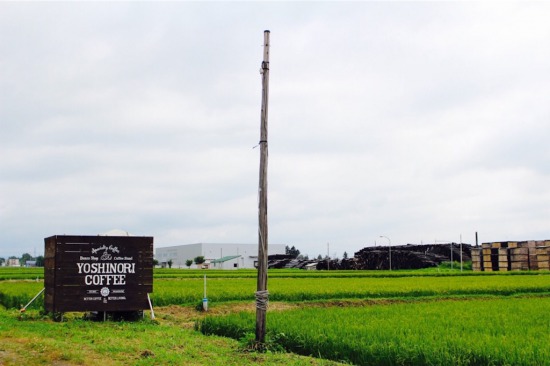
410	256
543	254
337	264
511	256
519	259
477	259
279	261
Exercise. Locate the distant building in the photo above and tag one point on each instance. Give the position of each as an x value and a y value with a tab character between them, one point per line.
13	262
221	256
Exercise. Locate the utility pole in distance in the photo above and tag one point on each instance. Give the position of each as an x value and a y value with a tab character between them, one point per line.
261	290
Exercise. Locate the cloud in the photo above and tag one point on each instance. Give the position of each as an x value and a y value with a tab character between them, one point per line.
417	121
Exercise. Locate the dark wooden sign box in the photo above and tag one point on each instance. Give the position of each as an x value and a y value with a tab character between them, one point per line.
98	273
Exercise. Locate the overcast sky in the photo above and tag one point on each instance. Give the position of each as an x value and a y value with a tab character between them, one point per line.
418	121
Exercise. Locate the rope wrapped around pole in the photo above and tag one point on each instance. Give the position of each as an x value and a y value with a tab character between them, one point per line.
262	300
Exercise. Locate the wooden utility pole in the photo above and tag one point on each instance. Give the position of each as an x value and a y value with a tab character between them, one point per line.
262	293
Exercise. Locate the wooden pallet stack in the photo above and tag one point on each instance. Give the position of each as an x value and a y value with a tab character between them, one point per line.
519	258
533	262
504	259
477	259
543	255
512	256
489	256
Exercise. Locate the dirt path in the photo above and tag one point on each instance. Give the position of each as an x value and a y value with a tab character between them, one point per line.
186	316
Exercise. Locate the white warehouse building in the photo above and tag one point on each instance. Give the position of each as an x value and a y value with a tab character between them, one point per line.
221	256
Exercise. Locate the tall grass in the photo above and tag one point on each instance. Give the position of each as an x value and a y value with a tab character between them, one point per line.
15	294
32	340
512	331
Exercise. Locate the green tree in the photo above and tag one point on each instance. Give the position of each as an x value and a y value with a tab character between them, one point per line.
155	262
25	257
199	260
345	255
293	252
2	261
170	262
188	263
40	261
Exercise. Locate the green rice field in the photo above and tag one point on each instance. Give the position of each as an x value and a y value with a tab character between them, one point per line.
426	317
285	286
458	332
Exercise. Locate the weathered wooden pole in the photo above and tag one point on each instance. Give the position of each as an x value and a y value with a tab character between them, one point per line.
261	292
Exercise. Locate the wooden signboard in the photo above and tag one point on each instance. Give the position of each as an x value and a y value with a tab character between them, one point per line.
98	273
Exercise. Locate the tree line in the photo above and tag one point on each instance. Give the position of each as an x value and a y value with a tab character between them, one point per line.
25	257
197	260
39	260
295	253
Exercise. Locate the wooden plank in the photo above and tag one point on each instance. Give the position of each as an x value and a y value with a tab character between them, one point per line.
503	251
533	262
527	244
520	250
522	244
519	266
519	258
541	250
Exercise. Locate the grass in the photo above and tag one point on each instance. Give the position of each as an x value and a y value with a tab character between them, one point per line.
147	342
491	331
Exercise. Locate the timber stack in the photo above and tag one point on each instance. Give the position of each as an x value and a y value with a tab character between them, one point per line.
530	255
411	256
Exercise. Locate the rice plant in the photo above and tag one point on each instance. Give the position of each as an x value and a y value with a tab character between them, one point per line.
509	331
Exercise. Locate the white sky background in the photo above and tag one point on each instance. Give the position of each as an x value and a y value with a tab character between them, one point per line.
417	121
